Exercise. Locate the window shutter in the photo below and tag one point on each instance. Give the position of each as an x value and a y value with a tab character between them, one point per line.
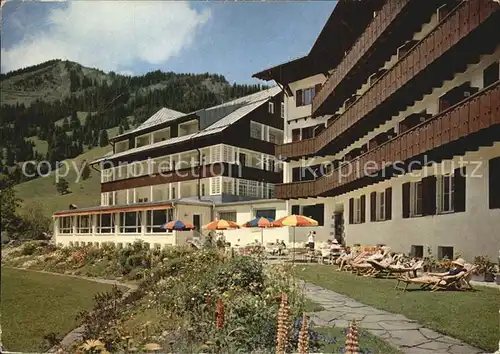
295	209
429	195
317	88
494	182
373	206
363	208
298	98
351	211
459	192
388	203
406	200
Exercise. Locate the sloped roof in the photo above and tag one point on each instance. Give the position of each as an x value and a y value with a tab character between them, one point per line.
162	116
247	104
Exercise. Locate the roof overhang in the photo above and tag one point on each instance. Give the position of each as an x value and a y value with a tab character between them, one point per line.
149	129
336	37
114	209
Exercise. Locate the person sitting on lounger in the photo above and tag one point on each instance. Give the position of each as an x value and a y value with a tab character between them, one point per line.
459	268
345	257
438	277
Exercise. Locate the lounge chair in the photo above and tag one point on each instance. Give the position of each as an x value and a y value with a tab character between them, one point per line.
392	269
434	282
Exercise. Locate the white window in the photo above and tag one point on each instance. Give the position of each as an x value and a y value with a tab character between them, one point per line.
270	191
216	187
228	215
256	130
445	193
227	187
381	206
155	219
130	222
416	205
271	107
307	95
65	225
282	109
83	224
357	211
105	223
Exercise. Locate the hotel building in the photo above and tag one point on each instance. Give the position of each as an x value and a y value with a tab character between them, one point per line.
392	127
215	162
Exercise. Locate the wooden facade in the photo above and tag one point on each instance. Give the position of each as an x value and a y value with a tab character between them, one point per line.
194	173
470	124
467	31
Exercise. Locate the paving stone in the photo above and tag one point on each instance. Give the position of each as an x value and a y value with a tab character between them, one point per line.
439	346
371	325
352	316
378	318
408	338
407	335
399	324
450	340
418	350
428	333
463	349
340	323
329	315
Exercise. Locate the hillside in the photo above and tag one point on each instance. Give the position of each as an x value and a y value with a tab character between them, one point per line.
61	110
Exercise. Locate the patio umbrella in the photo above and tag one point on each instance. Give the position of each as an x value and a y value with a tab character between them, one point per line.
178	225
261	222
295	221
221	224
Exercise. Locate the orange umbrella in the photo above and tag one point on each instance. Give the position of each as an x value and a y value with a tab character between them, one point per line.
221	225
295	221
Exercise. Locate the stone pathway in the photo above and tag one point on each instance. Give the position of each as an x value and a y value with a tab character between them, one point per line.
401	332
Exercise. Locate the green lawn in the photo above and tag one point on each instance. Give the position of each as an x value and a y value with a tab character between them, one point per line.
367	342
469	316
35	304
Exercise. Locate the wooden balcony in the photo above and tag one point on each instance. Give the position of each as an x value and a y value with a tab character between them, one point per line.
379	24
194	173
424	67
447	134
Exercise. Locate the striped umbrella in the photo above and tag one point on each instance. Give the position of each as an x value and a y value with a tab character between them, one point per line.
261	222
221	225
295	221
178	225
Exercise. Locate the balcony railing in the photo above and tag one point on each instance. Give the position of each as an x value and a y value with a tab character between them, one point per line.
459	23
375	29
476	113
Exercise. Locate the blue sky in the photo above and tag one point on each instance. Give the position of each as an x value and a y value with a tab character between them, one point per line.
235	39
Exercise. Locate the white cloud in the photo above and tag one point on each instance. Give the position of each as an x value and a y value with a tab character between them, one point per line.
110	35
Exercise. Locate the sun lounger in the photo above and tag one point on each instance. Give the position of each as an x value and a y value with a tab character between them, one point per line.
392	269
434	282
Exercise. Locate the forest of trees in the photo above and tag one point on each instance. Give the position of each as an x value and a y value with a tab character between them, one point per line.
111	101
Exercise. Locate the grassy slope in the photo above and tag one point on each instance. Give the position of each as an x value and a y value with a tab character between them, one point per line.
469	316
35	304
40	145
85	193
